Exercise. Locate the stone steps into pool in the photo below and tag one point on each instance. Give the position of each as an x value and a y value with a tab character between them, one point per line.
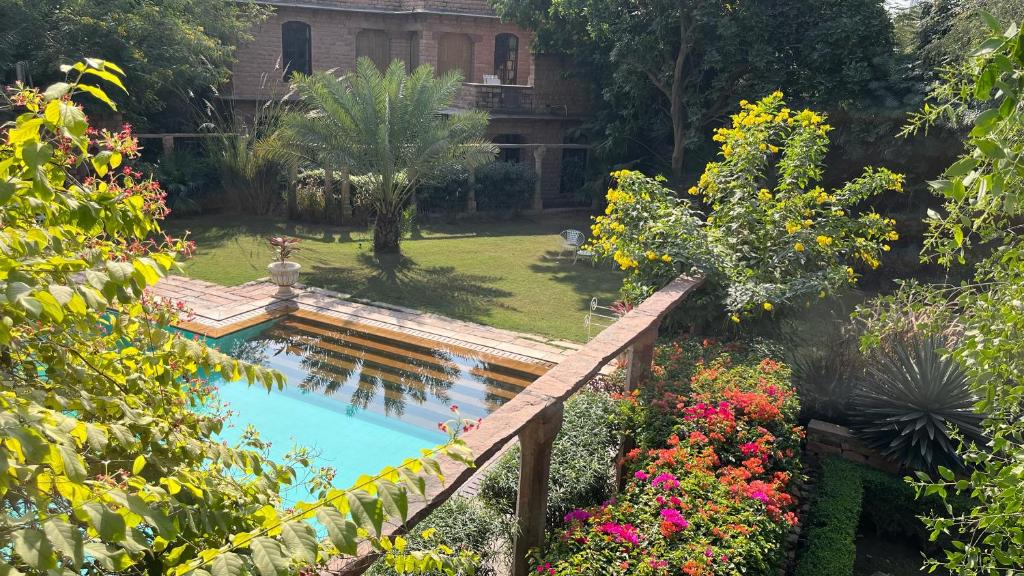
350	338
393	374
536	369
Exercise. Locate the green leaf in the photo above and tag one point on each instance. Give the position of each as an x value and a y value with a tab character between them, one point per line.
50	305
268	557
99	94
138	464
341	531
227	564
300	540
56	91
153	516
366	510
74	465
120	272
110	558
394	498
67	539
8	570
109	524
990	148
113	79
32	546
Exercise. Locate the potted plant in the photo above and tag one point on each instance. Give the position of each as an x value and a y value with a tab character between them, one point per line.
282	272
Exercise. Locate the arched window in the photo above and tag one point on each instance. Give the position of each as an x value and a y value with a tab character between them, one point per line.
296	48
374	44
455	52
506	58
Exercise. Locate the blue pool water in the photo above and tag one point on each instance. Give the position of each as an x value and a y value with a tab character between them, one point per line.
360	400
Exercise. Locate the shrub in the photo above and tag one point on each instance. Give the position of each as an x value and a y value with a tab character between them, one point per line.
189	179
912	399
713	500
504	186
311	196
772	237
448	193
831	526
464	525
581	461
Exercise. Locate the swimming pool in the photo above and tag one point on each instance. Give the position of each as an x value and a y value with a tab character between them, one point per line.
359	396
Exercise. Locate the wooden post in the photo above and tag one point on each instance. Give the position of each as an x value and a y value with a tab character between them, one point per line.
346	196
641	356
168	145
535	442
638	369
538	164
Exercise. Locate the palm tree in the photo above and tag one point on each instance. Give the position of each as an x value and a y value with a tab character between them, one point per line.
393	131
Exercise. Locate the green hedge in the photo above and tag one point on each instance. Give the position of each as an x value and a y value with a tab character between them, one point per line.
831	526
849	493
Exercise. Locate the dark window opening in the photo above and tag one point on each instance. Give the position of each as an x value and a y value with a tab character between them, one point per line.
509	154
296	48
506	58
574	170
374	44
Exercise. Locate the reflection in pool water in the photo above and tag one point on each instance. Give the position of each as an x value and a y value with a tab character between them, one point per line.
361	397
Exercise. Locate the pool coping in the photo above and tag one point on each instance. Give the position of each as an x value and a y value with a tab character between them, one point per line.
216	311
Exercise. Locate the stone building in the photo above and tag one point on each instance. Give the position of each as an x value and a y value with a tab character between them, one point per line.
533	106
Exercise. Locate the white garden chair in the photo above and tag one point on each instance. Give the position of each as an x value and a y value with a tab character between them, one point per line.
571	242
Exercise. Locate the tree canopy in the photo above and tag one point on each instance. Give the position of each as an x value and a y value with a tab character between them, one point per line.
692	59
168	48
111	460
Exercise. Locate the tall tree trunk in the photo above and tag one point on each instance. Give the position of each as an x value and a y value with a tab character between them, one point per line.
387	232
677	110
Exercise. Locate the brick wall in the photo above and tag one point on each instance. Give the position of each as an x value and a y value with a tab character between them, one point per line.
258	70
825	439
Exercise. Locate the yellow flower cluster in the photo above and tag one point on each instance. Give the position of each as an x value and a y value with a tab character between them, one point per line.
793	227
799	247
764	195
824	240
624	261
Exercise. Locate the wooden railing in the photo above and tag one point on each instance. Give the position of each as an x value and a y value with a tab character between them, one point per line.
535	417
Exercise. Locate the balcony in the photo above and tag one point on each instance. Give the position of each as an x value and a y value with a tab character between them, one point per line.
516	100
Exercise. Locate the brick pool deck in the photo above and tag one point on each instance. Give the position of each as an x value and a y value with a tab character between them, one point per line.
220	310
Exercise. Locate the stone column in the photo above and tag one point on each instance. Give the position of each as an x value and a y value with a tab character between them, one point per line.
535	442
329	193
471	195
168	145
538	167
293	184
346	196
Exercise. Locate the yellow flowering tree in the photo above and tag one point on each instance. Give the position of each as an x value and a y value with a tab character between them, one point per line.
773	235
650	233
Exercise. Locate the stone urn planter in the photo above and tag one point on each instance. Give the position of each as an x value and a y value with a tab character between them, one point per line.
285	275
282	272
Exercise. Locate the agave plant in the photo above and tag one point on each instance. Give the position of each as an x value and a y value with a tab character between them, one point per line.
912	399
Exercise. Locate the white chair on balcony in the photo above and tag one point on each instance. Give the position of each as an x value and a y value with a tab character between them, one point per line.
572	240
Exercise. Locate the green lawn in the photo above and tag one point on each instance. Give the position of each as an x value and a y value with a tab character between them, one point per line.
505	274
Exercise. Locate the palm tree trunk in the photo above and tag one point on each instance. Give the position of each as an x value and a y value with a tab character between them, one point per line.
387	232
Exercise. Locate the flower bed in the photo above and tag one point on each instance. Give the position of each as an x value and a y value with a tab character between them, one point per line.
713	499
